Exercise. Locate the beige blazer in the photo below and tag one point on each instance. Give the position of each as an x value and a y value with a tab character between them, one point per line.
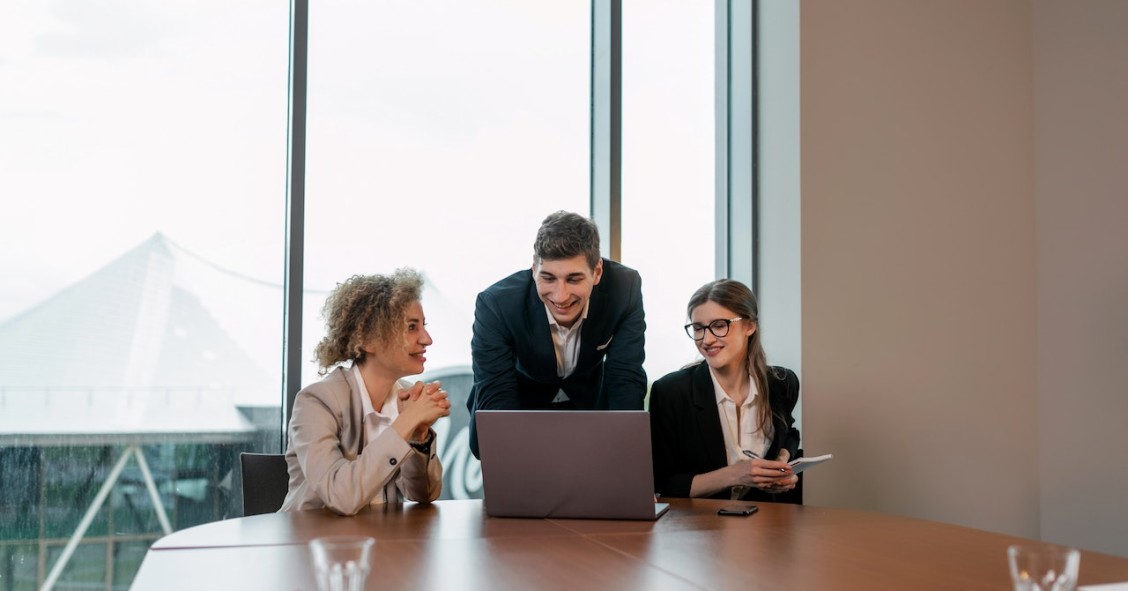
332	466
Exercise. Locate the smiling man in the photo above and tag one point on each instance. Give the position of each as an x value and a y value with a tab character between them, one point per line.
564	334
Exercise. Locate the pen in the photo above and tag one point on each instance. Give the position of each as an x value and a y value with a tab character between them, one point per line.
753	455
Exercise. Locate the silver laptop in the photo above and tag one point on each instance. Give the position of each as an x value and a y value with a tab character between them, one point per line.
568	463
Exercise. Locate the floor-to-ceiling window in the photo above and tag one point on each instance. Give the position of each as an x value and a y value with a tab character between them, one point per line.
142	183
440	134
668	166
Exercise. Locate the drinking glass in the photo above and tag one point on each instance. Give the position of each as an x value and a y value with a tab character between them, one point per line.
1043	567
341	563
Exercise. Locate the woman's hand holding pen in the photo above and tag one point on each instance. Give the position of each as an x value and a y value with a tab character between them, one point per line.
771	476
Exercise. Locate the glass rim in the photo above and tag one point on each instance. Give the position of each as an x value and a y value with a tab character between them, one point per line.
1041	548
342	540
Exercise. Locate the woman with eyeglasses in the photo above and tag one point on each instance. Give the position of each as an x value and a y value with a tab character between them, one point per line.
723	427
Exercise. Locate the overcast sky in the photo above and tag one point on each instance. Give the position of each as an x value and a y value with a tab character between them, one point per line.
440	134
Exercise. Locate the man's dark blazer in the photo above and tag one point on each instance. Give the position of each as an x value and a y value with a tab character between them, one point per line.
685	428
514	359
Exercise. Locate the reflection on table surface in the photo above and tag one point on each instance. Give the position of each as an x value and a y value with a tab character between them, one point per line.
454	545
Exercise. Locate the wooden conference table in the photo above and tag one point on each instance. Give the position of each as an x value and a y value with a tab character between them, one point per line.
453	545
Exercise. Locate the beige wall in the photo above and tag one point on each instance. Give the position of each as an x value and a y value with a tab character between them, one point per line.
1081	157
965	262
918	265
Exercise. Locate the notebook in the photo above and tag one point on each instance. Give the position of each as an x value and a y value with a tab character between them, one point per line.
567	464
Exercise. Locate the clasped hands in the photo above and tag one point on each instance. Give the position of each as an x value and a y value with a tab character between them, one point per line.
423	404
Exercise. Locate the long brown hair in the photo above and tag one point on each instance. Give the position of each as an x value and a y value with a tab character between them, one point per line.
736	296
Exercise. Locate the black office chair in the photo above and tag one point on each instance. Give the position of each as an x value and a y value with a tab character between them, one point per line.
265	482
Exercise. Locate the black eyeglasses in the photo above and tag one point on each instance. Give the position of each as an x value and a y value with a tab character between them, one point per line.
719	328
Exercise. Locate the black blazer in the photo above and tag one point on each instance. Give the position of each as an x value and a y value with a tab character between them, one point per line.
514	360
685	428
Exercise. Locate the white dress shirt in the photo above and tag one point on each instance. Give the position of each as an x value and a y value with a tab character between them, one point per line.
744	434
566	343
376	423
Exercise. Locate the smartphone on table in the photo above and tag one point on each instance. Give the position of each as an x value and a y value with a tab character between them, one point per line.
737	510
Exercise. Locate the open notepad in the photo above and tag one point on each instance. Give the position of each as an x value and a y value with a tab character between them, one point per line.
800	464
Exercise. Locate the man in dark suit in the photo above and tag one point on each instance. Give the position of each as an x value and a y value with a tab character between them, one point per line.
565	334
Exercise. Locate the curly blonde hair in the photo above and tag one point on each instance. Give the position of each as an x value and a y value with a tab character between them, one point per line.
362	309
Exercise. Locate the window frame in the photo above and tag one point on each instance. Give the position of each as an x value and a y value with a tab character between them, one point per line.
736	242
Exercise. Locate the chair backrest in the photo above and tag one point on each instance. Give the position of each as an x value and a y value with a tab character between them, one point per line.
265	482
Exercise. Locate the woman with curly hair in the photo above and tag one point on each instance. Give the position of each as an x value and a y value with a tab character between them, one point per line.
362	435
723	428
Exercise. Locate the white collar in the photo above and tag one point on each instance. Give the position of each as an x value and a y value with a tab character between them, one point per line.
366	400
722	396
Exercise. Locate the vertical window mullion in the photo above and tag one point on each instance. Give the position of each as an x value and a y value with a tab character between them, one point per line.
606	122
295	210
736	239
